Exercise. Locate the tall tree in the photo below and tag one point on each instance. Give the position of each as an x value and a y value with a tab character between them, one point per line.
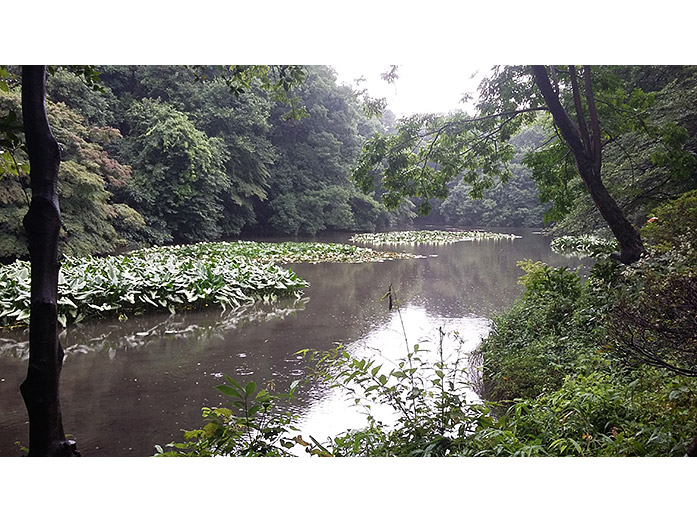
310	188
429	151
585	142
92	223
40	390
178	173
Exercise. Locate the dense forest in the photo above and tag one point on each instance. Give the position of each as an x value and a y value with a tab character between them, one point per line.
169	154
164	162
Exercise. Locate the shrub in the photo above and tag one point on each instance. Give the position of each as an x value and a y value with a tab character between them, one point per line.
253	426
534	345
652	317
599	414
673	225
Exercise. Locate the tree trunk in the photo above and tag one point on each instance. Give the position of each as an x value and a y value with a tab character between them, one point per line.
40	389
587	155
631	246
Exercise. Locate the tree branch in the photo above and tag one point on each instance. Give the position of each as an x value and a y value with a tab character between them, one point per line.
595	122
512	114
585	136
568	128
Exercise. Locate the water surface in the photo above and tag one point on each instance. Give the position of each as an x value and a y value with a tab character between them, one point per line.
128	386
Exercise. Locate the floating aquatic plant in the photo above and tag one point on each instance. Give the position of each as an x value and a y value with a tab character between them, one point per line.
586	245
226	274
295	252
414	237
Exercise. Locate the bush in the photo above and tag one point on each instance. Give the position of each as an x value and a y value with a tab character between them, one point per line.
652	317
673	225
253	426
646	414
534	345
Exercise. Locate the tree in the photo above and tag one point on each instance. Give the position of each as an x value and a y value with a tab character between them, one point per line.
310	190
585	143
649	165
40	390
515	203
178	174
429	151
88	178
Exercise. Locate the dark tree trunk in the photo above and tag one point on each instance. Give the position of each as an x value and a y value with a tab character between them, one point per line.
586	151
40	389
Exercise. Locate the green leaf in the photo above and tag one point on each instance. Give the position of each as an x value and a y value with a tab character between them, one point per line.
228	391
232	382
250	388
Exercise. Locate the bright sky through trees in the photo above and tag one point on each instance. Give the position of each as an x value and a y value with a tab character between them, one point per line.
420	88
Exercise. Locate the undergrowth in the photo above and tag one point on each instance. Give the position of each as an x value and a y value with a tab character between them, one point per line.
597	367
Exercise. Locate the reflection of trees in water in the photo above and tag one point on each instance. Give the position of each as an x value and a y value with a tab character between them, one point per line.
478	277
149	330
141	381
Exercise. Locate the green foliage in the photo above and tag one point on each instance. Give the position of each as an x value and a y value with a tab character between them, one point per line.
585	245
599	414
426	395
652	317
673	225
96	107
513	203
554	172
302	252
313	211
282	174
425	154
277	80
175	278
88	177
178	172
428	236
530	348
252	426
644	134
11	129
159	278
310	190
540	279
560	388
651	163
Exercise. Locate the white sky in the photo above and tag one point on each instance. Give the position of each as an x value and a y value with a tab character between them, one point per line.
420	88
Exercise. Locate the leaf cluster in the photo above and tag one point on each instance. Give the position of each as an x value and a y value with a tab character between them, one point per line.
252	425
159	278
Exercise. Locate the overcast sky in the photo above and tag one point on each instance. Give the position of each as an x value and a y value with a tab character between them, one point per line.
420	88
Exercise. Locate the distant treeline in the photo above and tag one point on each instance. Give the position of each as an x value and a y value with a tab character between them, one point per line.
164	155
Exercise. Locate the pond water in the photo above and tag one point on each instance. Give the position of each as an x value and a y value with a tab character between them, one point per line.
128	386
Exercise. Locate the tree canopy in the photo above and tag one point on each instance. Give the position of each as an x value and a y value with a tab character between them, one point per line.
429	151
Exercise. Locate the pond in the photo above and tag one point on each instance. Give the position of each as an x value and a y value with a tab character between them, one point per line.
127	386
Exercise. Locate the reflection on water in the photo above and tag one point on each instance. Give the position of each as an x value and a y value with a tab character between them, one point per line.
128	386
335	412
